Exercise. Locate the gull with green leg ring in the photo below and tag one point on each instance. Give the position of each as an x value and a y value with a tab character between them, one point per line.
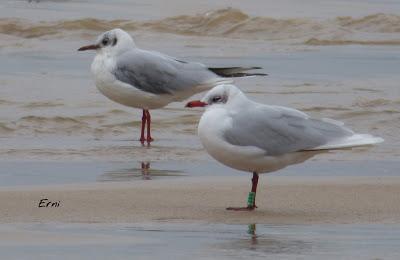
251	199
257	138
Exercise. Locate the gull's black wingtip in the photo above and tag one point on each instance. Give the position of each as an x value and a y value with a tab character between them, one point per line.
244	74
236	72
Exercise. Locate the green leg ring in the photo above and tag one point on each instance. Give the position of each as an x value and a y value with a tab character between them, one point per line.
251	199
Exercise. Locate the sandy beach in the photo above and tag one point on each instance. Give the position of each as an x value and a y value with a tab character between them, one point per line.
284	200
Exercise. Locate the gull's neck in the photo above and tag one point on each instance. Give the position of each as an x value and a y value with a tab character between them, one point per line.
237	100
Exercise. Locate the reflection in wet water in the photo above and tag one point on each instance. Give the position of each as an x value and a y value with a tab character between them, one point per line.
142	173
201	241
264	244
252	232
146	170
46	173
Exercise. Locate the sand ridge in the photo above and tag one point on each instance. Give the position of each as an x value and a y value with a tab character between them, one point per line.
281	199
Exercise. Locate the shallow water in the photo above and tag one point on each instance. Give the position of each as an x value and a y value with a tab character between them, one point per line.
200	241
72	121
50	173
51	111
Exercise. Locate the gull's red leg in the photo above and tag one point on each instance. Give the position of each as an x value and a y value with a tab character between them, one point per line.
251	201
148	118
143	126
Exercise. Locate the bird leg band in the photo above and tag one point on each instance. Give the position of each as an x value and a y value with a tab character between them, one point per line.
251	199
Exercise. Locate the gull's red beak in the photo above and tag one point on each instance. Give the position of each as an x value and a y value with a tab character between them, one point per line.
196	103
89	47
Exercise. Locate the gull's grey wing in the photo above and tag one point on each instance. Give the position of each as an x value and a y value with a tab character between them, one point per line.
279	130
159	74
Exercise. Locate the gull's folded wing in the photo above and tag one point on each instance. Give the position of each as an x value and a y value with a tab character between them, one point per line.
279	130
160	74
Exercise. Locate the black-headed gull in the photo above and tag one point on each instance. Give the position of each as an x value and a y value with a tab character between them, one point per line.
148	79
259	138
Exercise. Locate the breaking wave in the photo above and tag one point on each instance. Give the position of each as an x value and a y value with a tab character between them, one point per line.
110	121
372	29
314	41
42	104
374	103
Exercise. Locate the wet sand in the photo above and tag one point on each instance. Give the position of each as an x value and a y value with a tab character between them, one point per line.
281	200
199	241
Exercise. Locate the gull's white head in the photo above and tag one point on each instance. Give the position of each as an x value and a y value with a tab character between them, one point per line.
220	95
112	42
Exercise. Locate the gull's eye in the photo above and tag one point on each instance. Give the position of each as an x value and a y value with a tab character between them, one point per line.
105	41
216	99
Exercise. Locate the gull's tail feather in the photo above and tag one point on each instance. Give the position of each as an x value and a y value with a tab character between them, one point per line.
235	72
351	141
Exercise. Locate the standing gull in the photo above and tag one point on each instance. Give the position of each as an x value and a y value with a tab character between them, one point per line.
258	138
148	79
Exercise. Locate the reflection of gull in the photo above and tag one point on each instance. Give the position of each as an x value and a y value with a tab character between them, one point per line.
264	245
142	173
252	232
145	170
147	79
253	137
